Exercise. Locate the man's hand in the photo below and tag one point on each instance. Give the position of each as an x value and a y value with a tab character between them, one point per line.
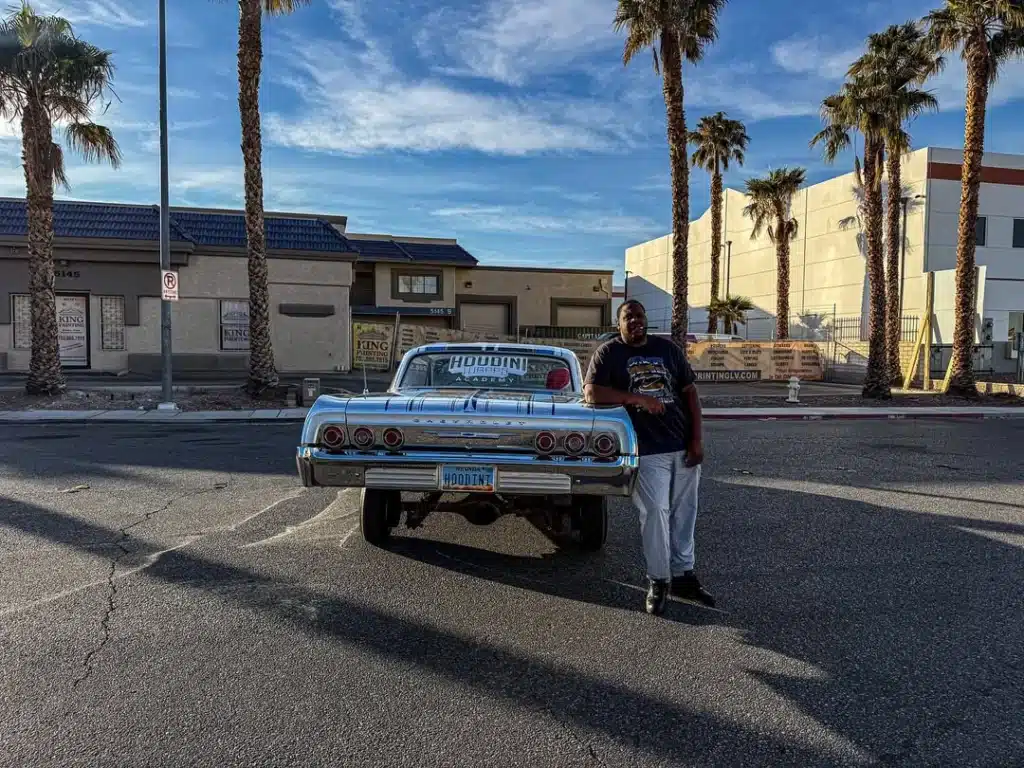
694	453
647	403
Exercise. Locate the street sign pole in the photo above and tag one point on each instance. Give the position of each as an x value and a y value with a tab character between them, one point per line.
165	220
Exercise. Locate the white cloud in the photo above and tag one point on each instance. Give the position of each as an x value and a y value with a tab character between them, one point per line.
357	102
511	40
828	62
100	13
497	218
813	56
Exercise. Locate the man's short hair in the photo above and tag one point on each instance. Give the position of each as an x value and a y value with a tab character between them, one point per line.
630	303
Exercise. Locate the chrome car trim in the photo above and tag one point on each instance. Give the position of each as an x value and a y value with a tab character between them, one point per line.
491	427
515	473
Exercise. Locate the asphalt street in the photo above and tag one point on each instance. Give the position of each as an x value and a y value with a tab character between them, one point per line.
170	596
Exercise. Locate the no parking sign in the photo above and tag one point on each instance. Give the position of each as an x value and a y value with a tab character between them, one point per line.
169	285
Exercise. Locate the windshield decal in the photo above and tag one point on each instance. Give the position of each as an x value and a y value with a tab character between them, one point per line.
488	366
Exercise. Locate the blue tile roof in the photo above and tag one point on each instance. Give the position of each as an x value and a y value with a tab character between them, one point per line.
295	234
451	253
142	222
380	250
74	219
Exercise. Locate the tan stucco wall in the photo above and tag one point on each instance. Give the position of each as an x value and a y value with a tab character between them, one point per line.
534	289
382	284
300	343
827	265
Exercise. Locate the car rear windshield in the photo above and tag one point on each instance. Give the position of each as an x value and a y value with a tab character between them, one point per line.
487	369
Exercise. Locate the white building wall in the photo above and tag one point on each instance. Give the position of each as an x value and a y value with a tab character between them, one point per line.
827	259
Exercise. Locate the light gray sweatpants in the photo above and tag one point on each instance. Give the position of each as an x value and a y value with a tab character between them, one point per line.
665	496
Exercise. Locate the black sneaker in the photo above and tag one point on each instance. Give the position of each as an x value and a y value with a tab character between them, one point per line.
657	596
688	587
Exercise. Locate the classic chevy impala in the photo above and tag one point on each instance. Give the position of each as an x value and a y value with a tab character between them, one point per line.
477	429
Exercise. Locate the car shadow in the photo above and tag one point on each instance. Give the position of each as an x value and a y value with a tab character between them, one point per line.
606	579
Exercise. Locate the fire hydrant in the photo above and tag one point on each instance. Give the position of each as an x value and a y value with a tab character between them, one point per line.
794	390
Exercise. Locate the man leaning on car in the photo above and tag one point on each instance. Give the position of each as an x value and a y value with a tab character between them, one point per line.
652	378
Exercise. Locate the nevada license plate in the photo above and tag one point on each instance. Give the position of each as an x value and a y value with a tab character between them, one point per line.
471	478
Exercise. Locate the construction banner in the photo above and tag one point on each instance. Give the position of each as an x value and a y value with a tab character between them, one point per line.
712	361
410	336
756	360
372	346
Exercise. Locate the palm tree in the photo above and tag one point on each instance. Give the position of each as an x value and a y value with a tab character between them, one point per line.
770	206
733	311
896	60
674	30
718	140
262	370
860	105
48	78
988	33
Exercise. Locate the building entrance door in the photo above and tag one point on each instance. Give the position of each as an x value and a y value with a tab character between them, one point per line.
73	330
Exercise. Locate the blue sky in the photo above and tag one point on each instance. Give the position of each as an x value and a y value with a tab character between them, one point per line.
510	124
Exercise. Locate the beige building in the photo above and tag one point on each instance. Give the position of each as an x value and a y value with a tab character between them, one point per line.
107	285
828	277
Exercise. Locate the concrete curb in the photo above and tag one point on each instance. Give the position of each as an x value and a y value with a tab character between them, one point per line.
295	415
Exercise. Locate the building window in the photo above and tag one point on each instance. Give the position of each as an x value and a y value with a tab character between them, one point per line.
416	286
981	231
1018	233
234	325
21	319
112	323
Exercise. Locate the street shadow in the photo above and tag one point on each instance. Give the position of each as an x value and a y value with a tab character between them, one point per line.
567	574
634	720
58	452
907	624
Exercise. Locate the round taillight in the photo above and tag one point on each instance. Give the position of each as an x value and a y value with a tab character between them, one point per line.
363	437
393	437
575	443
333	436
604	445
544	442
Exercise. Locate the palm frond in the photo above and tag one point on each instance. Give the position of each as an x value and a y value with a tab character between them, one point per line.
95	143
56	163
282	7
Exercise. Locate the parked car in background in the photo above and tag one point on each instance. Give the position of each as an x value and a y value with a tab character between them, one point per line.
477	429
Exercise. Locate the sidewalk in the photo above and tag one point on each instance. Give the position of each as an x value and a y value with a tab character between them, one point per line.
296	415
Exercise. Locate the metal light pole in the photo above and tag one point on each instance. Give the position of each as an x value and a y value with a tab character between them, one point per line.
165	219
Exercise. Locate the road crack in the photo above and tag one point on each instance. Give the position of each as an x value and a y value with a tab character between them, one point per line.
111	602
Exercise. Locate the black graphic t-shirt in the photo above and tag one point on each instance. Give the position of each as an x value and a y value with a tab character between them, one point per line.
659	369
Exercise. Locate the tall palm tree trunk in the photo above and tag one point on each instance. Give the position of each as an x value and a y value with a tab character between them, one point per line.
45	375
262	371
876	381
679	162
716	241
961	380
893	328
782	275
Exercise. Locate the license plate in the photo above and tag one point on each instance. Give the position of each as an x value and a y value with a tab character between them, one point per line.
471	478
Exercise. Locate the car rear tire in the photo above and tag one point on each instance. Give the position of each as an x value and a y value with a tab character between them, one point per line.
592	522
380	511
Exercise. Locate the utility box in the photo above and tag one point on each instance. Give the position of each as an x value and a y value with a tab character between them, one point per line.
310	391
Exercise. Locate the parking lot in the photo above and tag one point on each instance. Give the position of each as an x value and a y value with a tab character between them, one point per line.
171	596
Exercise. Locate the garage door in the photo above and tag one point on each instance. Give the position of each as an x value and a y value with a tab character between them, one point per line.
490	318
578	317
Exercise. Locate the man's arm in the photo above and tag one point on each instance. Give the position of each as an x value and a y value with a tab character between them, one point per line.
598	389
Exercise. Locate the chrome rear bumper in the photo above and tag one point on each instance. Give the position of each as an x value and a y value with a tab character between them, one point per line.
514	474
